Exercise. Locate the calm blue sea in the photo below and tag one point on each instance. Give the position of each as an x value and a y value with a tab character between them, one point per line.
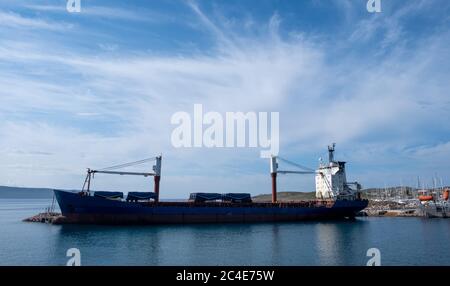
401	241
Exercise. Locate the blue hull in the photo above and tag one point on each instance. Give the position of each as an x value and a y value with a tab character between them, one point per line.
76	208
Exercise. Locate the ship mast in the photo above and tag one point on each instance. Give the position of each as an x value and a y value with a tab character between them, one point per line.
273	174
331	152
157	176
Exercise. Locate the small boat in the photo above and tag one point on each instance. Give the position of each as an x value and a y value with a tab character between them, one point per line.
445	194
425	198
436	206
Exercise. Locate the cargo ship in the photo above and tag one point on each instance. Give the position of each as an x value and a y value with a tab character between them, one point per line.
335	198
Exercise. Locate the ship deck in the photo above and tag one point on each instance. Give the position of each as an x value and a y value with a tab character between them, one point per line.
293	204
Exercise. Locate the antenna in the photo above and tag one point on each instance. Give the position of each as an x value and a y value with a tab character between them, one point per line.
331	152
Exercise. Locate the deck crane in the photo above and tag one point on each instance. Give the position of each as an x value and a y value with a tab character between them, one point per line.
110	170
274	171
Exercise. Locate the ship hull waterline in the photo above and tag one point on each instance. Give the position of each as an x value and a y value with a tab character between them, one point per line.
78	209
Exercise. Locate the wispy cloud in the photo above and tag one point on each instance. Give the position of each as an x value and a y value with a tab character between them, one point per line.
92	108
15	20
105	12
46	8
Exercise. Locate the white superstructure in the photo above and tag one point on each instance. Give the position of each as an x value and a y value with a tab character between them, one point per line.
331	180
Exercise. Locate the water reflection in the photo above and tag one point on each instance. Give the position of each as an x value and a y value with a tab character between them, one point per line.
309	243
338	243
112	245
408	241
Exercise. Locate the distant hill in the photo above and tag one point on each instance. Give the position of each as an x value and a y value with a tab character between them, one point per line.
371	193
25	193
286	196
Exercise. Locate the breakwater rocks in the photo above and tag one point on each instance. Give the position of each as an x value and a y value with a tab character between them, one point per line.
46	217
391	209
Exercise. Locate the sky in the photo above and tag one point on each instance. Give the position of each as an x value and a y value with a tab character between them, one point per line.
99	87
